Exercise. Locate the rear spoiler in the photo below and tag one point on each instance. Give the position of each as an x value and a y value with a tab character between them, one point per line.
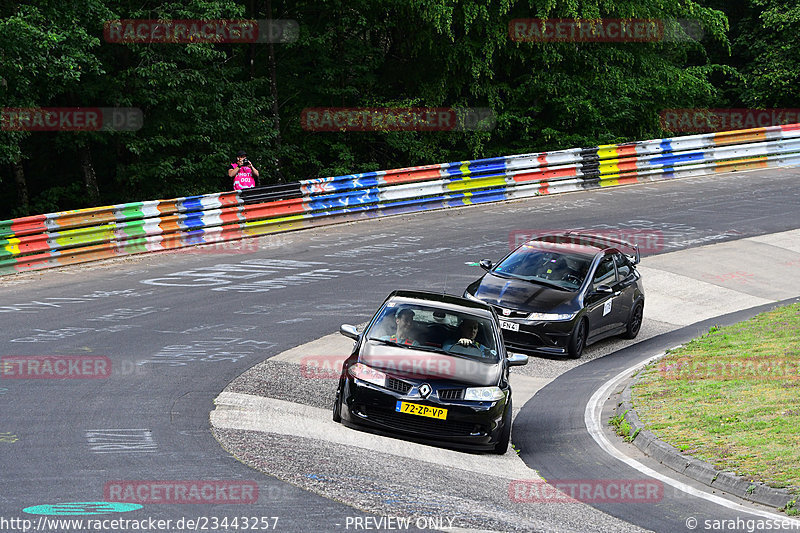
635	257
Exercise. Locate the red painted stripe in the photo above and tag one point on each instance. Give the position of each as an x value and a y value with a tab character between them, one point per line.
539	175
273	209
408	176
28	225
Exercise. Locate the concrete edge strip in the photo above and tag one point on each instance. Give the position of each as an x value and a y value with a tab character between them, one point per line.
695	468
594	425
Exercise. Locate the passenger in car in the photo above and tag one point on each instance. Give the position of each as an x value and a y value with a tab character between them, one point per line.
468	330
404	319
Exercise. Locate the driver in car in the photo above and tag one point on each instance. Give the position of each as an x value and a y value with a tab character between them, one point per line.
404	319
468	331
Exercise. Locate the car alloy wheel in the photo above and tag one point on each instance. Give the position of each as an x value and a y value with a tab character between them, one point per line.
505	435
634	322
577	340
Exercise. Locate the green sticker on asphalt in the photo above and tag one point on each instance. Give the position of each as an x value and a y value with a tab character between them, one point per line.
81	508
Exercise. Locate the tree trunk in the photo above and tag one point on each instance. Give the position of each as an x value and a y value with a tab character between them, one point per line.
22	186
89	177
273	89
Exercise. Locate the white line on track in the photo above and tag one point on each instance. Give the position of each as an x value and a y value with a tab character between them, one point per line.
593	420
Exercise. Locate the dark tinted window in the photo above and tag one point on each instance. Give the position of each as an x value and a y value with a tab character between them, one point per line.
623	266
605	274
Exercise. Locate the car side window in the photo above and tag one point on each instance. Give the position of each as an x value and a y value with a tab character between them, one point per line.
605	273
623	266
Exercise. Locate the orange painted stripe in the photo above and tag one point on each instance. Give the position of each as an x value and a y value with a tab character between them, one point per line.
408	176
539	175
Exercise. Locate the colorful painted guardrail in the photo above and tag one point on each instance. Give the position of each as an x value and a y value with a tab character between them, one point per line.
67	237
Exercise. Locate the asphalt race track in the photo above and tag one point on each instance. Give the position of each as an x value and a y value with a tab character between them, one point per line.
177	328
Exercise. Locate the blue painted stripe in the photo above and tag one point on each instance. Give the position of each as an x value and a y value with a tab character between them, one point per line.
193	221
192	203
677	158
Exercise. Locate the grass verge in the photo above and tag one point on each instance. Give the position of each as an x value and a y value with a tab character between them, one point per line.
732	398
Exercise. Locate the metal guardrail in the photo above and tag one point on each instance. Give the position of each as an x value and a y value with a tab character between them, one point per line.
57	239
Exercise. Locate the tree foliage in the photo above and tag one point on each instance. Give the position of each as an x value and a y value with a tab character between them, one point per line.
201	102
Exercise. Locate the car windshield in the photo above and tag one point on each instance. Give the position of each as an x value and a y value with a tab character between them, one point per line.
542	265
431	328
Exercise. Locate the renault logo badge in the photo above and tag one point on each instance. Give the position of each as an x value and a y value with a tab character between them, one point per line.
425	390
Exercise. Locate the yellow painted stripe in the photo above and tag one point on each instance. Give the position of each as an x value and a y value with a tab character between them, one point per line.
13	246
609	168
475	183
465	168
610	181
85	235
605	151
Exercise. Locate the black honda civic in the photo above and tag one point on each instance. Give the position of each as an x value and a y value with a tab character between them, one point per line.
430	367
556	294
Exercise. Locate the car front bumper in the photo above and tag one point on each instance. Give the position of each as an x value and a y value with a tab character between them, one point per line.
470	425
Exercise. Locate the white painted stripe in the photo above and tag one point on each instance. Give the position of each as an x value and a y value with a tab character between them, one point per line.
593	420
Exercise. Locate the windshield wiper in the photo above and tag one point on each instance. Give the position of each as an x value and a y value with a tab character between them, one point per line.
389	343
531	279
420	347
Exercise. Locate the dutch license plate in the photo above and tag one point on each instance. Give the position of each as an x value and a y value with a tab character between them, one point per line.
513	326
421	410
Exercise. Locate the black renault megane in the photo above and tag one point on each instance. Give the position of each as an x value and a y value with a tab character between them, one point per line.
556	294
430	367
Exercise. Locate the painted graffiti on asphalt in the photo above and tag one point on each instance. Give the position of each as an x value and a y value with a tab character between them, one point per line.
229	276
58	302
208	351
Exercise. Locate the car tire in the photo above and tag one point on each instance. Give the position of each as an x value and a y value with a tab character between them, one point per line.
635	321
505	435
577	340
337	407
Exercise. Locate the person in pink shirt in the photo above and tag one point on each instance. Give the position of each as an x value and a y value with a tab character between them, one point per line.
243	172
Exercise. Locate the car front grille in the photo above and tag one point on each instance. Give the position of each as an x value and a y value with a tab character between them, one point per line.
451	394
419	424
512	313
397	385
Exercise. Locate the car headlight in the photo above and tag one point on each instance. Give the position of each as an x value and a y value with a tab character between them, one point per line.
484	394
368	374
552	317
472	297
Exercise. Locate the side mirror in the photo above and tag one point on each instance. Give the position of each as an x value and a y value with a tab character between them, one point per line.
485	264
604	289
517	359
349	331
